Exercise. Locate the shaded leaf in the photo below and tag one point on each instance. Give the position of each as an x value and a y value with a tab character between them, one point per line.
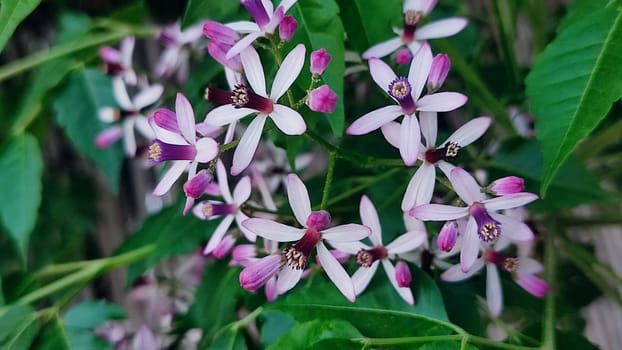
231	340
313	334
197	10
574	83
83	318
53	337
20	187
18	327
364	32
12	12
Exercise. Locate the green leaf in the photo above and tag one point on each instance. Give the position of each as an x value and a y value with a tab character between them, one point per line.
574	83
198	10
53	337
362	32
308	335
573	184
18	327
20	187
321	27
12	12
76	110
81	319
233	339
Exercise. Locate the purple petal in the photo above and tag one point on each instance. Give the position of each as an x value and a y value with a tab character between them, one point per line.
494	295
335	272
298	199
108	137
438	212
288	72
510	201
441	102
374	120
242	191
420	187
465	186
407	242
391	132
534	285
419	70
470	246
513	229
362	277
404	292
382	74
369	217
218	234
346	233
169	178
288	120
253	70
287	279
185	118
275	231
248	144
471	131
226	114
410	138
441	29
428	122
384	48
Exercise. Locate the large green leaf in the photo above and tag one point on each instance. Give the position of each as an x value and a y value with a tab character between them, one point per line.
81	319
574	83
12	12
369	22
20	187
76	110
53	337
314	334
18	327
321	27
198	10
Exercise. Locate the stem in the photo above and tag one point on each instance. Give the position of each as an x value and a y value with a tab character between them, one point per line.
363	186
503	15
329	180
248	318
463	338
548	328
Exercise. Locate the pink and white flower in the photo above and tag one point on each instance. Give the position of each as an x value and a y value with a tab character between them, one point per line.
118	62
180	144
243	102
175	59
229	210
222	39
484	224
315	231
413	35
407	93
369	257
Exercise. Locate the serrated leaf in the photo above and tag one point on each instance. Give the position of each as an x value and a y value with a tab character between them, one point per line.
12	12
197	10
76	110
20	187
321	27
312	334
574	83
18	327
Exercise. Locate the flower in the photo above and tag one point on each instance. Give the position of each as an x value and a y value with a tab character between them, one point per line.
421	185
179	143
229	211
313	234
222	39
118	62
438	72
412	35
287	28
176	55
322	99
370	257
195	187
403	56
130	115
266	21
483	225
506	185
258	101
407	93
319	61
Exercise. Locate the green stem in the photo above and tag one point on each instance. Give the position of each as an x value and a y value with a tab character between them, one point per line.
243	323
329	180
463	338
503	15
362	186
548	328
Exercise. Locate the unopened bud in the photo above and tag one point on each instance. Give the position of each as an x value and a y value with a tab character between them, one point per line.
438	72
447	237
319	61
402	274
287	28
258	273
322	99
507	185
403	56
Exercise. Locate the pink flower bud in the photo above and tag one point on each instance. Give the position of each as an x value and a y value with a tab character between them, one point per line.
438	72
318	220
166	119
447	237
224	247
243	255
257	274
322	99
196	186
287	28
507	185
319	61
403	56
402	274
108	137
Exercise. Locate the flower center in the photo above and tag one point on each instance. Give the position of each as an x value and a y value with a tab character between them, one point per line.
160	151
297	255
488	228
400	90
411	20
366	257
241	97
217	209
507	263
450	151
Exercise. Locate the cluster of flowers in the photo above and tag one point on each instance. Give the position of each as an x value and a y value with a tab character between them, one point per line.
477	231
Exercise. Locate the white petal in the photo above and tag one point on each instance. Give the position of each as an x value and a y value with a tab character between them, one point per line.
414	46
494	295
242	191
218	234
420	187
120	94
169	178
440	29
349	247
223	182
185	118
287	279
469	132
438	212
226	114
273	230
243	44
129	140
298	199
391	132
374	119
382	74
244	26
404	292
253	70
335	272
248	144
470	246
428	122
445	167
127	49
369	217
510	201
441	102
513	229
419	70
384	48
288	120
143	127
454	273
407	242
528	266
288	72
240	217
108	114
207	150
363	276
287	4
148	96
410	138
166	135
465	186
346	233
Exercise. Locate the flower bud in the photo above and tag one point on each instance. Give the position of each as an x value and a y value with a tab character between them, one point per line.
447	237
287	28
224	247
402	274
403	56
257	274
196	186
507	185
322	99
438	72
319	61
